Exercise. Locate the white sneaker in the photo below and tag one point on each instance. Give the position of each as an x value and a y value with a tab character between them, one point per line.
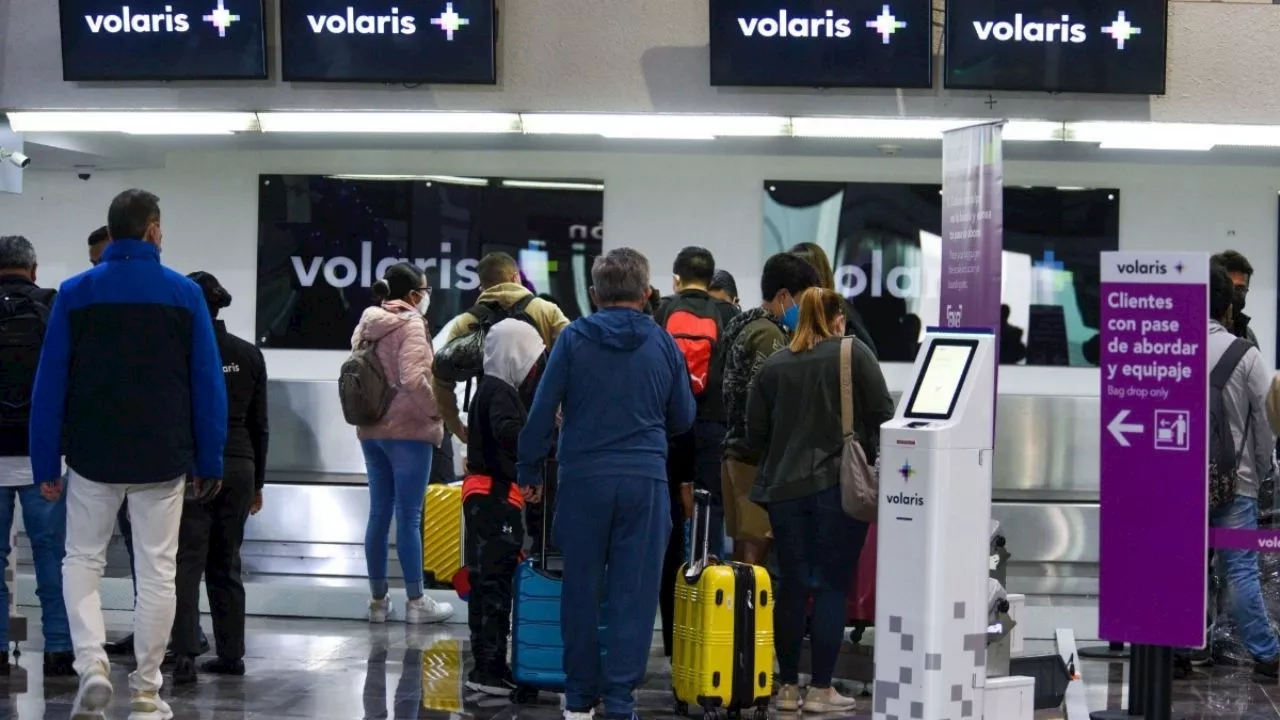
379	610
424	610
589	715
147	705
827	700
95	693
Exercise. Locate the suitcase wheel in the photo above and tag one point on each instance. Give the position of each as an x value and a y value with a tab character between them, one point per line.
524	695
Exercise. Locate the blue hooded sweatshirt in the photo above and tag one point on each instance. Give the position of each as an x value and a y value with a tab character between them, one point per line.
624	388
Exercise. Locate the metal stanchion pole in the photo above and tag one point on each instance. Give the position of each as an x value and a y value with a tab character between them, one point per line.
1159	689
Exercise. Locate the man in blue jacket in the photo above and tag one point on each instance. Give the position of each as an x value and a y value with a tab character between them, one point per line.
130	390
622	387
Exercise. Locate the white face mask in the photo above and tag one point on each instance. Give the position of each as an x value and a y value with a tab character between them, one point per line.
425	303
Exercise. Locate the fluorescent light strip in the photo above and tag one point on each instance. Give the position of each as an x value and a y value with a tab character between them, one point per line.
656	126
389	122
552	185
443	179
1143	136
135	123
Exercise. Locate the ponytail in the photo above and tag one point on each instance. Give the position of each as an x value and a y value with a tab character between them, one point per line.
819	307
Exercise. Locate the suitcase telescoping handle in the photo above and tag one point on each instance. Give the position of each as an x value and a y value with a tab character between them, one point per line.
550	482
699	554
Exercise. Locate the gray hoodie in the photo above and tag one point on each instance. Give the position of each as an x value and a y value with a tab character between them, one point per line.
1245	396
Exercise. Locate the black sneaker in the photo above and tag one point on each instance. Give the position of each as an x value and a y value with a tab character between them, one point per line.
490	683
218	666
59	664
1269	669
120	647
184	671
4	664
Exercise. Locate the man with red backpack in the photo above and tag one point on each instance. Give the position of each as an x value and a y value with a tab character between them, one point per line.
697	321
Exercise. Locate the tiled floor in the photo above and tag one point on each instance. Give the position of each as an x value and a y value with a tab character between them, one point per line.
337	670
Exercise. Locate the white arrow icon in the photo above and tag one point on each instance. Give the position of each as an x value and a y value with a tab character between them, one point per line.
1118	427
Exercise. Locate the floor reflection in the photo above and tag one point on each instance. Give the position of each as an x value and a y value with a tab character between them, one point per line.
337	670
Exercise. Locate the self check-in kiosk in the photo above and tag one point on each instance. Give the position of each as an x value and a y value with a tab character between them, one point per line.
934	527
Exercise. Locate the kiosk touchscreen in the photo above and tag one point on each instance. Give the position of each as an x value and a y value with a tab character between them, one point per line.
934	526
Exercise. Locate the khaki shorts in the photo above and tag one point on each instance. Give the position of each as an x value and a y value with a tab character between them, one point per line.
743	519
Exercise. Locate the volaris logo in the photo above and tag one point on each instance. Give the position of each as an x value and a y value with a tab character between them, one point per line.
392	22
1063	31
828	25
350	23
1021	31
131	20
342	271
1138	268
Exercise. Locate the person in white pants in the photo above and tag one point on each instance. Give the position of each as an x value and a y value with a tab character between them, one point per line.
130	388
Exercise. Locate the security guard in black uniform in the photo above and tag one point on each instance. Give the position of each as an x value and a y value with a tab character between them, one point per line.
213	527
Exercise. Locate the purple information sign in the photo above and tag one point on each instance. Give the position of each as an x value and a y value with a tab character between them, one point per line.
1155	389
972	227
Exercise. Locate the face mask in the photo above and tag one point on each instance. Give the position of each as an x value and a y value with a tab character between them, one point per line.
791	318
425	303
1238	298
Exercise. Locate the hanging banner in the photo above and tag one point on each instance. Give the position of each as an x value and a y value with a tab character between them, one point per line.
972	227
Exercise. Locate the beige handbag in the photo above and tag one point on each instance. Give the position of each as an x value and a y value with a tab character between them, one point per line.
859	484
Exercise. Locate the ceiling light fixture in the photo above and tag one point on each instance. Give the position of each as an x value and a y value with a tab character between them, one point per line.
406	123
655	126
443	179
135	122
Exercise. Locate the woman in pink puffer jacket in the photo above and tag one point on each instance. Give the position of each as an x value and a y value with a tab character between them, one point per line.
398	448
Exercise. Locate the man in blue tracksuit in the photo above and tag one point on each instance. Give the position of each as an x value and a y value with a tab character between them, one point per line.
622	387
130	390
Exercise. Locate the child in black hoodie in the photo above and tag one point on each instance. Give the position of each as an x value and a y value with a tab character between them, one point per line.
492	502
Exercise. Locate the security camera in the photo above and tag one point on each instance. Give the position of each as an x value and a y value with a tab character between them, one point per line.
84	176
15	158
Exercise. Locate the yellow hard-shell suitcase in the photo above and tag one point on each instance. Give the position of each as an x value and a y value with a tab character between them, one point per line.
442	534
722	656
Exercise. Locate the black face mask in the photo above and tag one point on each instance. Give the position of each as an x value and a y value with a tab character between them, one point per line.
1238	298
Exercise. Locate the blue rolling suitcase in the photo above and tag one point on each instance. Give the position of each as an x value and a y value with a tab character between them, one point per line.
537	650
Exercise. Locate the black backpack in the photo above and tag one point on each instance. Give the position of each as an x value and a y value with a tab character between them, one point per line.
463	358
24	318
1224	455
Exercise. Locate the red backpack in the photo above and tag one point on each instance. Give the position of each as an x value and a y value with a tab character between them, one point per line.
695	324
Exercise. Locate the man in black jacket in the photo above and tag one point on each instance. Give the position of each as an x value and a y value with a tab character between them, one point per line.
24	314
213	530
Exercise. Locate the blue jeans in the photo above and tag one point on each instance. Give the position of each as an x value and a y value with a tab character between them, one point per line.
1244	585
818	548
398	473
613	533
46	525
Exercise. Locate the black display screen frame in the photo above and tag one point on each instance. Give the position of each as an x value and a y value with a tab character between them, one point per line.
286	75
952	54
146	77
718	11
972	345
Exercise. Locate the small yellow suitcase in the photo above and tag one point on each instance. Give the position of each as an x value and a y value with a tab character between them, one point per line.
442	534
722	657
